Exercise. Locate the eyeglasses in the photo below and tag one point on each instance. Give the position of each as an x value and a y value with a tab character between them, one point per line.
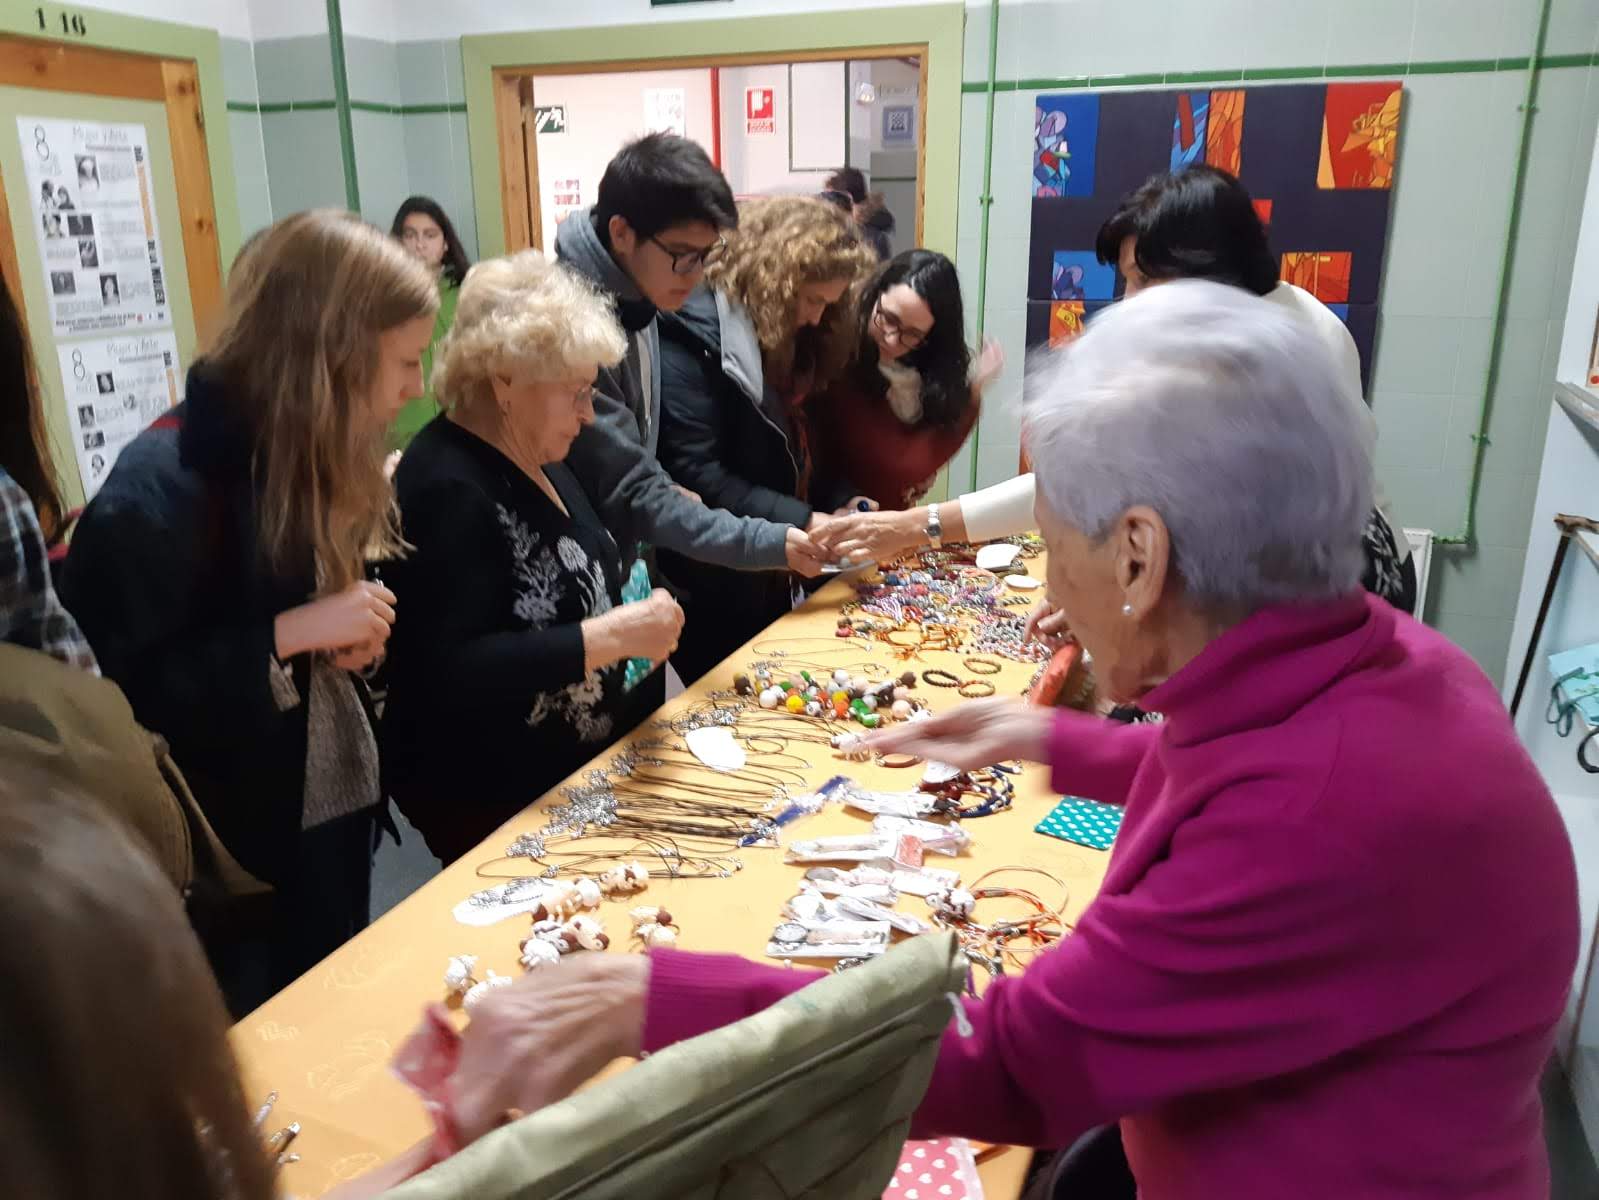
911	339
686	262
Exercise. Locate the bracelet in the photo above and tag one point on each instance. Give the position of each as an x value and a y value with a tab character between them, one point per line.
938	677
982	666
897	761
976	683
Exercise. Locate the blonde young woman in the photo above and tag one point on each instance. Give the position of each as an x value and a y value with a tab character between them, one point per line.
507	673
220	573
739	361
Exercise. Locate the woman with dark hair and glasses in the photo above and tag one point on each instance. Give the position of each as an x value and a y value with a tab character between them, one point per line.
425	230
1199	223
911	392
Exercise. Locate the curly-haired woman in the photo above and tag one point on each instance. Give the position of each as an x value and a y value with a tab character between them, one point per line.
738	363
507	673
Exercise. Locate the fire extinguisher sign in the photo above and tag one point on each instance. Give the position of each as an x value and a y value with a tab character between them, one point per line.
758	111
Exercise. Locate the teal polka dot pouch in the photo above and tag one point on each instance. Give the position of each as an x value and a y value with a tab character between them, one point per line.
1083	822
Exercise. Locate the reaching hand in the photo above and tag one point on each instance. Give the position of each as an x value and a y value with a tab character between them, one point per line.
537	1040
687	494
805	557
990	363
977	734
874	536
1047	624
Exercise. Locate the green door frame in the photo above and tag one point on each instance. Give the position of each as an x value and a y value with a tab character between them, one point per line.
940	26
162	39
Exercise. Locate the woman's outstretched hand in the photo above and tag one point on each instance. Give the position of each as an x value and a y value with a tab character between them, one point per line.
973	735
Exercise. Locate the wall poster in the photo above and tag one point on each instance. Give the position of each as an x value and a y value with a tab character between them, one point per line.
760	113
1318	160
113	388
95	218
665	111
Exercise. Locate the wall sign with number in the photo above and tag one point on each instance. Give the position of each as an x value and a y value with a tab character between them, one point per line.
71	24
549	118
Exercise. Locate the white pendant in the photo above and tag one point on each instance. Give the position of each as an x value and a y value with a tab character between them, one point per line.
997	556
937	772
715	747
1023	583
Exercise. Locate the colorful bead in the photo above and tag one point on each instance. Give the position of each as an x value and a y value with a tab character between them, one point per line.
901	709
770	697
794	703
871	720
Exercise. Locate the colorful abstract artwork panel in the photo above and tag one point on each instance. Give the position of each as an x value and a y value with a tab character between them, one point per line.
1188	129
1224	133
1066	320
1065	144
1324	274
1318	160
1359	136
1079	275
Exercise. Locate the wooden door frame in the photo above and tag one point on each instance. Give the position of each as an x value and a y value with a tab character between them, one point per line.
933	32
173	83
514	88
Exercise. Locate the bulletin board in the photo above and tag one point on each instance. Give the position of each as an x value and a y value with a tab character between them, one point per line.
96	85
1318	159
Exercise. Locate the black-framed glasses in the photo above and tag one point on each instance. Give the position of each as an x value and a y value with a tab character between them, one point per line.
686	262
911	339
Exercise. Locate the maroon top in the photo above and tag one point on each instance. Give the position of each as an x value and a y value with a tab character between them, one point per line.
859	439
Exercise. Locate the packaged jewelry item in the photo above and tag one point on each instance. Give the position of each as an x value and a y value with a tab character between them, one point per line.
936	838
904	851
810	908
898	804
828	939
827	881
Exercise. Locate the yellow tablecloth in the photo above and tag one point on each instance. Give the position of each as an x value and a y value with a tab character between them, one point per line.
324	1043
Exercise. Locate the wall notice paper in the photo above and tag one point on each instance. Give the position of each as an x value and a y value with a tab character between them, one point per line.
567	197
665	111
93	206
113	388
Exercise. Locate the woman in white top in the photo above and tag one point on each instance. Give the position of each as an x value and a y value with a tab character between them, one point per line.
1199	223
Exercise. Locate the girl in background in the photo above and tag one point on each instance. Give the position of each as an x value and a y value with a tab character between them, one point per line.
428	235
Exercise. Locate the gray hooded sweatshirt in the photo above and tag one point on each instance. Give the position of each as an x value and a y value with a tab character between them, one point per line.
615	458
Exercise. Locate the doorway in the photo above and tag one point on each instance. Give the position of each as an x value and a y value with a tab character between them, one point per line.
774	127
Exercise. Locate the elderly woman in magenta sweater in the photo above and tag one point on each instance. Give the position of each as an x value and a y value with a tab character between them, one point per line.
1339	923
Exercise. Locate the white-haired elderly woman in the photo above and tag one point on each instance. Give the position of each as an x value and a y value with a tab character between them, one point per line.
1340	920
508	672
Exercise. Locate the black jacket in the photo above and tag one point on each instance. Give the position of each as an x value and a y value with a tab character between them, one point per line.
726	434
490	703
165	578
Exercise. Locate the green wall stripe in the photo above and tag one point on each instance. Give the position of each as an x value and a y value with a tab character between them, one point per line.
1204	76
1253	73
1463	66
396	110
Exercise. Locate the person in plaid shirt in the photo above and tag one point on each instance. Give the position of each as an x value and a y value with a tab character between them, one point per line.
31	614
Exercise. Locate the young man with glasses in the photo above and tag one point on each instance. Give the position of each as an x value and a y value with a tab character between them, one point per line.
662	212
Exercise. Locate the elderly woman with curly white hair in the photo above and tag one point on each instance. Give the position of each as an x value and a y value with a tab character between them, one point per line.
1339	923
507	674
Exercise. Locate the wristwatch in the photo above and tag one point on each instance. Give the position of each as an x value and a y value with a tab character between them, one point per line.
935	527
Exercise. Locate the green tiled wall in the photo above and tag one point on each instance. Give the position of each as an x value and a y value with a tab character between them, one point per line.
1451	203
